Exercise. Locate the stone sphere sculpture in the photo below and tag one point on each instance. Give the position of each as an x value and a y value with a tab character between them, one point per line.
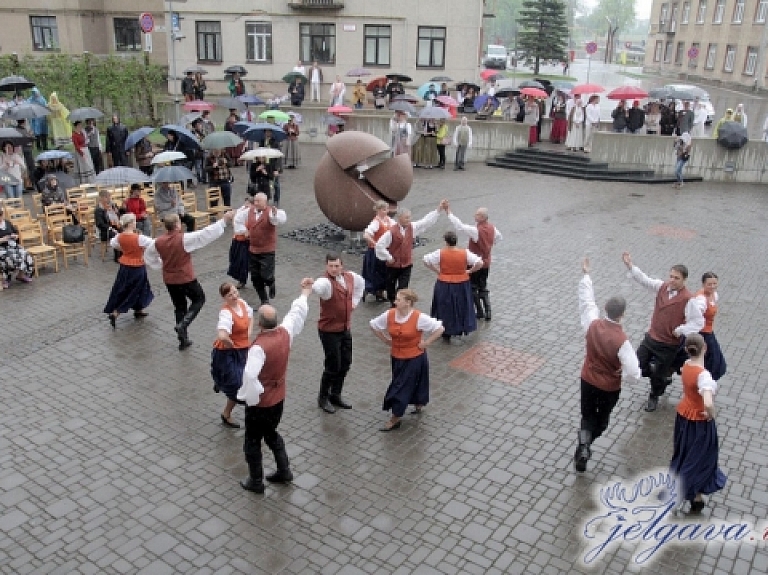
346	189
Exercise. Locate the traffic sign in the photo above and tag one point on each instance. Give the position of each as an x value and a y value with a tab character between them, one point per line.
693	53
146	22
591	47
627	44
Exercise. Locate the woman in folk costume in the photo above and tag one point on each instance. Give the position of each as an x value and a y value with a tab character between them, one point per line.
531	119
61	130
576	119
409	333
419	147
375	270
400	134
230	349
131	290
238	250
452	301
84	172
557	112
707	298
292	155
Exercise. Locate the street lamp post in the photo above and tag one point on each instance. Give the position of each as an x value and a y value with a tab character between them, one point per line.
174	37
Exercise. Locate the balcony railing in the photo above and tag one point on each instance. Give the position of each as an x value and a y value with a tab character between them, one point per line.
316	4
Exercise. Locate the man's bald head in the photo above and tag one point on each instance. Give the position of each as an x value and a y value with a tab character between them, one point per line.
267	317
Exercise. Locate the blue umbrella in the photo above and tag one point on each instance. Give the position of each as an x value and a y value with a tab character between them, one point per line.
482	99
189	139
137	136
250	100
53	155
241	127
424	87
256	134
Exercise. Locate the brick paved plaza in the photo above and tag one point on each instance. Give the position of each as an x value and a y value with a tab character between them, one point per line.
114	459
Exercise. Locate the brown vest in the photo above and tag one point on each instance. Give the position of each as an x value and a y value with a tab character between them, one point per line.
668	314
602	367
276	344
177	263
263	235
336	312
401	247
486	233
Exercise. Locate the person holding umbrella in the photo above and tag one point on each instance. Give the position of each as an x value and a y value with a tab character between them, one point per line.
296	90
168	202
379	97
39	125
219	174
188	87
236	85
338	89
199	86
727	118
683	146
117	134
292	155
400	134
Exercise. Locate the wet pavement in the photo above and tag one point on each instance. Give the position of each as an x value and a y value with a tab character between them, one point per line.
114	459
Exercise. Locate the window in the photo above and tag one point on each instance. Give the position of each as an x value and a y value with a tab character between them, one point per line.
668	53
127	35
657	51
317	42
730	56
701	14
258	41
751	61
673	19
711	53
663	15
679	53
431	48
377	45
738	12
686	13
719	9
762	9
45	32
694	62
208	41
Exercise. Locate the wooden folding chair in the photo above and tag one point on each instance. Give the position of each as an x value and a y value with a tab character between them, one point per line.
202	219
32	240
37	203
214	202
12	205
69	250
75	194
18	217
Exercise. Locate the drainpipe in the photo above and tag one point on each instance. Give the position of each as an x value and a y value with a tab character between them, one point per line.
761	59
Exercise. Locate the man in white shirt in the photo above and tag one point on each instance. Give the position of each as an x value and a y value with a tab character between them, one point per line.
699	119
338	89
462	139
592	122
299	67
315	79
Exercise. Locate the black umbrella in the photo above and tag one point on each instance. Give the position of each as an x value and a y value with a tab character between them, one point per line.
26	110
399	77
237	69
15	137
732	135
532	84
195	69
231	103
462	85
85	114
15	84
290	77
507	93
440	79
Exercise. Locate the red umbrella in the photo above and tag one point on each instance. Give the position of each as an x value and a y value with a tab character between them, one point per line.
447	101
198	106
380	81
535	92
488	74
587	89
627	93
340	110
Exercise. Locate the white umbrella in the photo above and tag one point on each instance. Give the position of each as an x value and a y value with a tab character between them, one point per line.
121	175
261	153
168	157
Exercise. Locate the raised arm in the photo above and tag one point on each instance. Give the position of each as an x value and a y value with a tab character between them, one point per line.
293	322
460	226
196	240
427	221
588	309
277	217
651	284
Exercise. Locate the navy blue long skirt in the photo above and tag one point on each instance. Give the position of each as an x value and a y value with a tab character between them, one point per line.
695	457
409	386
452	304
227	367
131	290
374	272
714	360
238	260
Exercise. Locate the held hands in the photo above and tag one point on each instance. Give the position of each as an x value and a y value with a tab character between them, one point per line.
307	283
423	345
627	259
445	206
585	266
226	342
229	215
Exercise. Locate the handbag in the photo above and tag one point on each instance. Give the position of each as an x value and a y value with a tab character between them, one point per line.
73	234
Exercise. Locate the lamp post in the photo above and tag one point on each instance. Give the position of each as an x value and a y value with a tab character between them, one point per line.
174	36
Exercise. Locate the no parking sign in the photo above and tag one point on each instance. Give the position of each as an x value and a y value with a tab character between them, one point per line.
591	47
693	53
146	22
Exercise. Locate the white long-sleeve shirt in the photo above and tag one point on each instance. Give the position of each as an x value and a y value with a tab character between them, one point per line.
425	323
238	223
144	241
456	136
433	258
694	318
323	289
374	226
419	227
589	312
293	322
471	230
593	114
191	241
226	321
275	219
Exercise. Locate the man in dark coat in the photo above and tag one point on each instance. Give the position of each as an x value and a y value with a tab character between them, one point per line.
117	134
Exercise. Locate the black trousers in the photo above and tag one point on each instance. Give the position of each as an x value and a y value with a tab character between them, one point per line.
261	423
262	269
397	279
119	158
658	361
180	293
338	359
98	164
41	141
596	408
441	154
479	280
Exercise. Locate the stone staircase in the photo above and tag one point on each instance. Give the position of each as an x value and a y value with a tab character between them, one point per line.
577	165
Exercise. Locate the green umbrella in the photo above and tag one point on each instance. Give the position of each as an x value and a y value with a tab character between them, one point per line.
275	115
220	140
291	76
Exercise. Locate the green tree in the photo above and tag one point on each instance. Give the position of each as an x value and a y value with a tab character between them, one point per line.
543	31
621	13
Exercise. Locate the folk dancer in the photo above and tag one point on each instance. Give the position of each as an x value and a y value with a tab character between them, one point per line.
238	249
374	269
262	225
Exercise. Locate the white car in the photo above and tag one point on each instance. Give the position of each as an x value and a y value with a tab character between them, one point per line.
703	98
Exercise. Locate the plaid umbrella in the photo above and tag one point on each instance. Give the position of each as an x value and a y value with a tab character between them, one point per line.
120	176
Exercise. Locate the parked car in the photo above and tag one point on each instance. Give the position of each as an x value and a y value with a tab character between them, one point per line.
703	98
495	57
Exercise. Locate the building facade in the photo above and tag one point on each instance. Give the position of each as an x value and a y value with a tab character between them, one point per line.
718	40
420	39
77	26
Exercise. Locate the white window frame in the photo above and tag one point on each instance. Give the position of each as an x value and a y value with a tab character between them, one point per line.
762	11
730	57
658	51
750	63
258	41
686	13
709	64
673	19
738	12
717	17
701	13
663	15
669	47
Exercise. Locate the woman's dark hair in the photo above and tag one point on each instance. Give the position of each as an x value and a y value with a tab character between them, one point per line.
6	143
76	123
682	270
694	345
450	238
225	288
708	276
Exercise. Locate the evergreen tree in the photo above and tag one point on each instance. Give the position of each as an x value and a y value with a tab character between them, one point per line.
544	31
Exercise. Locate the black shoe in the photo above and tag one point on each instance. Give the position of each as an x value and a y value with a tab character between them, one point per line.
697	506
325	405
281	476
392	427
226	423
338	402
272	291
184	344
456	168
140	314
181	331
581	457
446	338
240	285
250	485
113	321
653	403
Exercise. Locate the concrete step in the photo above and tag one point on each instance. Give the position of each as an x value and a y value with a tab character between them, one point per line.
552	159
582	170
561	155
